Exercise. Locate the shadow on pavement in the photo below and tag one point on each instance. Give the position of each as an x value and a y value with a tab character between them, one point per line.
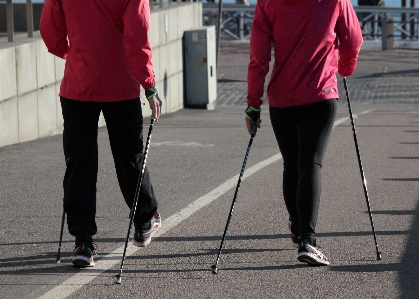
414	72
409	274
407	269
31	264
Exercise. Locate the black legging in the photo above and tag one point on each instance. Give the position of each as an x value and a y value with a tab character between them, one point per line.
302	133
124	122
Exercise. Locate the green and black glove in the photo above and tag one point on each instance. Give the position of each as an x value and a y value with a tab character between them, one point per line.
253	114
151	92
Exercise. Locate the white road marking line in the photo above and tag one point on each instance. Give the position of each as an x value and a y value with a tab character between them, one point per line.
78	280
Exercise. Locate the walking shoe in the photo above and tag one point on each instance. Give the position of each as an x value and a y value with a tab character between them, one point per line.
310	254
83	255
142	236
295	240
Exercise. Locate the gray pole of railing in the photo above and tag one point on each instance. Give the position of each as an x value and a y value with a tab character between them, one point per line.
387	37
417	27
151	4
29	18
160	3
9	13
412	21
404	4
220	11
241	27
375	29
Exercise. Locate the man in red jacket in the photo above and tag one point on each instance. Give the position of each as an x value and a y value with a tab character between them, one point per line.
312	40
108	56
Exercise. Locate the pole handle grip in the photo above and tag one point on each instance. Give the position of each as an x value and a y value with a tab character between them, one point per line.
253	130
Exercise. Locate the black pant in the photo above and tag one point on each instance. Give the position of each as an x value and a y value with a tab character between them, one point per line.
124	122
302	134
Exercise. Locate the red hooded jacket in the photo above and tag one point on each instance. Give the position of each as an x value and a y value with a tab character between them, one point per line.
105	44
308	36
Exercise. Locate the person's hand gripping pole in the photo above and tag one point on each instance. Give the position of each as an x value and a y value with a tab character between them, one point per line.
154	102
252	117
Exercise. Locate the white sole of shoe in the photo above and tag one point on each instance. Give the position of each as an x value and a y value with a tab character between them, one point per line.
148	240
312	259
82	261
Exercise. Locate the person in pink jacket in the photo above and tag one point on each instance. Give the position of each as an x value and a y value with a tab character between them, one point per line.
108	57
312	41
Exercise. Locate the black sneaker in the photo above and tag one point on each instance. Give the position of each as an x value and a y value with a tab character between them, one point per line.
295	240
310	254
142	237
83	255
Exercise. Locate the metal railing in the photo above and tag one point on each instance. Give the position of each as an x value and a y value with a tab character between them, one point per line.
236	21
405	22
9	19
29	14
160	3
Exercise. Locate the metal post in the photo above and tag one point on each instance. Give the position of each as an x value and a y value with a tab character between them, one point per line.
416	27
403	22
387	26
412	21
241	25
160	3
375	26
151	4
29	18
9	13
220	11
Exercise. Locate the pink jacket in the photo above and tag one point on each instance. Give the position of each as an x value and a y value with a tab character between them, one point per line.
105	44
308	36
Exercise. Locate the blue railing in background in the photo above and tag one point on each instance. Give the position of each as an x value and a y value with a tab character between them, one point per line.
396	25
399	24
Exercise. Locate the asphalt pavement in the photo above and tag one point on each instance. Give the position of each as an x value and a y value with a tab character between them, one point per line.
194	160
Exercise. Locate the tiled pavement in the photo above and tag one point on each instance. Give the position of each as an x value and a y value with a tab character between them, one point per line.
381	77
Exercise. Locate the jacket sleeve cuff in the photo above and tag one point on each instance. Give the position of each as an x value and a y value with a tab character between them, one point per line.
254	103
347	69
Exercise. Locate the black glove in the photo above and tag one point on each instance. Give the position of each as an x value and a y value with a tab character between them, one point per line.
151	92
253	114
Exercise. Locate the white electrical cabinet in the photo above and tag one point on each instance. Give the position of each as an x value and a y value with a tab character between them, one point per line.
200	74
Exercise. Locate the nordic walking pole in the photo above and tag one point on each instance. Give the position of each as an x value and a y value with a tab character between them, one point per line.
364	182
134	205
58	255
252	135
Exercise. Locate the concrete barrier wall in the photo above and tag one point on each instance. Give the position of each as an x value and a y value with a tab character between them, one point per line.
30	77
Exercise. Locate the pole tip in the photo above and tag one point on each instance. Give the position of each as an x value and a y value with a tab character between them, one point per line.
214	269
119	279
379	258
